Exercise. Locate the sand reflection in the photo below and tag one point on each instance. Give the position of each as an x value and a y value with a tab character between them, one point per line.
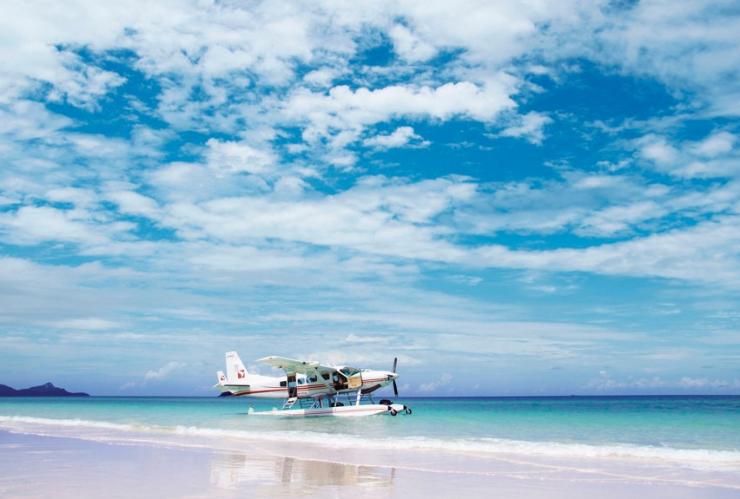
240	470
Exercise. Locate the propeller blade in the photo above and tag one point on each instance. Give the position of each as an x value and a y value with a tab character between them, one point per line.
395	363
395	388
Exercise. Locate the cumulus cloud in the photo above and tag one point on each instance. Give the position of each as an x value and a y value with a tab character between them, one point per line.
400	137
658	150
714	145
654	39
35	224
409	45
237	157
345	109
133	203
712	156
529	126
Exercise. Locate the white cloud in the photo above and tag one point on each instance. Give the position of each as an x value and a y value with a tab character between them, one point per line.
491	34
34	224
715	145
713	156
235	157
432	386
246	259
356	358
688	382
409	46
362	216
344	109
83	198
263	41
84	84
133	203
87	323
322	77
400	137
616	219
164	371
27	120
530	126
658	150
468	280
701	253
658	39
361	338
607	383
586	204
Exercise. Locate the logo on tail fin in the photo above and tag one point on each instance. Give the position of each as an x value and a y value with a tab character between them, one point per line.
234	367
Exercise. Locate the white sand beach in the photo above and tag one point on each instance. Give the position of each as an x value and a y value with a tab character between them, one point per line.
64	467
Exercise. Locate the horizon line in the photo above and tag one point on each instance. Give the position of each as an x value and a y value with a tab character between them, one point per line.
420	396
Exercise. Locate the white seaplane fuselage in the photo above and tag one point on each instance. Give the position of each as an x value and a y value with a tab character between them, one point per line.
276	387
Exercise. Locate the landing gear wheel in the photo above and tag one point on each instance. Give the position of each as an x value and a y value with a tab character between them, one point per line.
393	412
407	410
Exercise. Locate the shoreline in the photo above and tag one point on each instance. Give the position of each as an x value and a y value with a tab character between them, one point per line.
75	467
235	463
316	444
412	397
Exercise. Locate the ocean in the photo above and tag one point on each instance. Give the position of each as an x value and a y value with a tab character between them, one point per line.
690	430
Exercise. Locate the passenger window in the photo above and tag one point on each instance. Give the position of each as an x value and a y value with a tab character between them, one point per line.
325	376
283	383
300	381
313	379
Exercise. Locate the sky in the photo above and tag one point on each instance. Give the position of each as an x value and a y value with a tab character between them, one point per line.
513	198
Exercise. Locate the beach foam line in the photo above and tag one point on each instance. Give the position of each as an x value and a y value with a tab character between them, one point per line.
493	447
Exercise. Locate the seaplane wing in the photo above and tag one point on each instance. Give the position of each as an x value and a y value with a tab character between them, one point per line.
295	366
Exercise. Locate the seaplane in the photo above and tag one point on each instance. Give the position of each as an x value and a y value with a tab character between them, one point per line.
312	389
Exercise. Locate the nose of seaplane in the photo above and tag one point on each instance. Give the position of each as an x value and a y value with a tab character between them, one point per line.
392	378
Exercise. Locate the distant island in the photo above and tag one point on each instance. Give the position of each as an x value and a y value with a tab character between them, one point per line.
45	390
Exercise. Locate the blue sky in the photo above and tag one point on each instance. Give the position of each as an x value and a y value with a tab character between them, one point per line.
511	197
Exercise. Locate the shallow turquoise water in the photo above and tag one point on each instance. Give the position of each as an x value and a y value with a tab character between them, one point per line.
711	423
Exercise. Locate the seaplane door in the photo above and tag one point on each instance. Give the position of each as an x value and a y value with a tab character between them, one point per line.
355	382
292	386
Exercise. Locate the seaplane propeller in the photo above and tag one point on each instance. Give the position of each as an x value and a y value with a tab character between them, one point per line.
395	386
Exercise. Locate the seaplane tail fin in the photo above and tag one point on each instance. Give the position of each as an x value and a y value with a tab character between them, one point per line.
235	369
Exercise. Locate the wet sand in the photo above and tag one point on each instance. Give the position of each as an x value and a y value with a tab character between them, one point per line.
45	466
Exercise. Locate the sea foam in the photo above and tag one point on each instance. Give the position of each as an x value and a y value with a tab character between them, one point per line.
480	447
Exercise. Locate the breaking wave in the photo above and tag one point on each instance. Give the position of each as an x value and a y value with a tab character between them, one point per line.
480	447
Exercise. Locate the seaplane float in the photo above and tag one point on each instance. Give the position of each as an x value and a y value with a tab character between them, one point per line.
312	389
